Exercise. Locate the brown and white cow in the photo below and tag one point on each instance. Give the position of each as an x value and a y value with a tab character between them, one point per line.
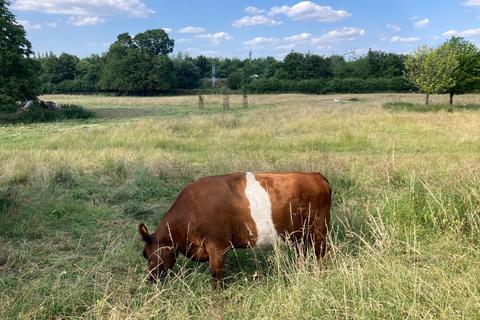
239	210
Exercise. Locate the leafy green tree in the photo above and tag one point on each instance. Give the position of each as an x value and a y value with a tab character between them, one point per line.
316	67
138	65
204	65
186	73
154	42
381	64
431	70
338	66
293	64
227	66
125	40
466	75
269	66
162	73
58	69
67	67
237	79
88	72
18	71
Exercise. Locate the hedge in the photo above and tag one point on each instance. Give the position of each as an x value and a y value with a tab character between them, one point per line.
346	85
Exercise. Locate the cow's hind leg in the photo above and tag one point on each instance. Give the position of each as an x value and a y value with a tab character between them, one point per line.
216	259
320	234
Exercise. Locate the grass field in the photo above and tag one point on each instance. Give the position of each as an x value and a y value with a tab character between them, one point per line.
405	241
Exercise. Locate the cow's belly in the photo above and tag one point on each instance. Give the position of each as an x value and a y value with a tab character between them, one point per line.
261	212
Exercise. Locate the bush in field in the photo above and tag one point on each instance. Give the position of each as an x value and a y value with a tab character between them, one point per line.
37	113
8	108
72	111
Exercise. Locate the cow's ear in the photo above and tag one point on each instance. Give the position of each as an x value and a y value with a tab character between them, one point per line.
142	229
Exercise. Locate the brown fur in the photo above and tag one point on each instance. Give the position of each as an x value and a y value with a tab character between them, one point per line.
212	215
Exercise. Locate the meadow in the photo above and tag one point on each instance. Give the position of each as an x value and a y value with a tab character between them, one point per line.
405	238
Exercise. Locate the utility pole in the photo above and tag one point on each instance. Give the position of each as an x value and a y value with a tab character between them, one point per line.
214	75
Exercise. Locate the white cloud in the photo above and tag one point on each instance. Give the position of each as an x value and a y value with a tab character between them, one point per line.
255	21
261	42
210	53
308	10
167	30
404	39
89	8
325	41
51	24
29	26
86	21
253	10
394	27
215	38
299	37
421	23
183	40
342	34
191	29
283	47
472	3
465	33
100	44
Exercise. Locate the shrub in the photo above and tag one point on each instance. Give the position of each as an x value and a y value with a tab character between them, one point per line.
8	108
37	113
324	86
72	111
68	87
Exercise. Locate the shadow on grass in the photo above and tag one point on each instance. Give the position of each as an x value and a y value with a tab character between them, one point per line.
39	114
169	111
412	107
240	265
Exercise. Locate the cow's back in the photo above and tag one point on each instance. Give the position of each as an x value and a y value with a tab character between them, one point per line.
249	209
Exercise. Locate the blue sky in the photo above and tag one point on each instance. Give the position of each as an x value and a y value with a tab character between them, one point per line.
231	28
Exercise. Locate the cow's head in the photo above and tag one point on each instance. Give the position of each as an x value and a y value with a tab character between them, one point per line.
160	255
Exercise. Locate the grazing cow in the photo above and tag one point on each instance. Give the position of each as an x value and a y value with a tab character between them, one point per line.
239	210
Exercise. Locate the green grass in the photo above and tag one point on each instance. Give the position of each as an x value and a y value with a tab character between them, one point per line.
416	107
405	233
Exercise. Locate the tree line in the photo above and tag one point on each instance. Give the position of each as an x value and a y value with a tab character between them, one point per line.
143	64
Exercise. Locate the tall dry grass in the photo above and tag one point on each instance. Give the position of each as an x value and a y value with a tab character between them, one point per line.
404	240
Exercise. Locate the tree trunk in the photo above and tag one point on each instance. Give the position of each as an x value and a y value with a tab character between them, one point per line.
451	99
427	99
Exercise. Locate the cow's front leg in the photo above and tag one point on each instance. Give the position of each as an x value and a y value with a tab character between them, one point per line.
320	237
216	259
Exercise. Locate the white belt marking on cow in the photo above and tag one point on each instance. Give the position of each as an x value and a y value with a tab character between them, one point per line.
261	212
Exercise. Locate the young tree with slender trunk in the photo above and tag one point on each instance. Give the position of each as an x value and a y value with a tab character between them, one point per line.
466	75
431	70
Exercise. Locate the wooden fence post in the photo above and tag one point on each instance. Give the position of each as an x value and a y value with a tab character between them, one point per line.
245	101
226	102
